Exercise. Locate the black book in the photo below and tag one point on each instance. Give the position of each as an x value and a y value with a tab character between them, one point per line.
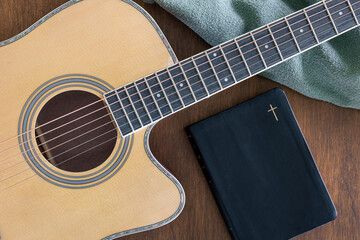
261	170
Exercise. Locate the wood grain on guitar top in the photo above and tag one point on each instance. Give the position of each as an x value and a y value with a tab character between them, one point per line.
333	134
122	197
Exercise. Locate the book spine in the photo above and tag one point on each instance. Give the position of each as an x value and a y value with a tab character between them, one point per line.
212	186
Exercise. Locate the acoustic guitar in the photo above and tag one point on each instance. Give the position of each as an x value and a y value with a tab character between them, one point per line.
110	61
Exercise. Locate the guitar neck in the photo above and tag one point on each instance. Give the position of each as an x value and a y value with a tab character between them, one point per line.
167	91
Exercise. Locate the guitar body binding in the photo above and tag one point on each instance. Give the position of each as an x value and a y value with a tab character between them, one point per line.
131	191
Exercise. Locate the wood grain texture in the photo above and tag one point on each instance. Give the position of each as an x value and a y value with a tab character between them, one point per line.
78	40
333	134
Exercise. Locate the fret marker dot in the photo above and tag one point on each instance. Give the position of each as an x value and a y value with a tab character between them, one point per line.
181	85
301	30
158	95
214	54
266	46
226	79
340	13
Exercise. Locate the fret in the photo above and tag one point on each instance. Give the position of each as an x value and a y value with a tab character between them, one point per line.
221	67
275	43
194	78
148	99
321	22
331	19
125	114
181	84
124	110
118	113
292	34
202	80
202	64
355	4
124	101
284	39
236	61
213	70
228	65
133	106
187	81
267	46
250	53
170	90
258	49
302	30
312	29
158	95
241	57
139	104
341	14
353	12
165	95
154	99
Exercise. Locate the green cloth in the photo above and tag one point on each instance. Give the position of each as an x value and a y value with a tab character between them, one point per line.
330	72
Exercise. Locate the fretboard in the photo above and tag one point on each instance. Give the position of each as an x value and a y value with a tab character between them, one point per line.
158	95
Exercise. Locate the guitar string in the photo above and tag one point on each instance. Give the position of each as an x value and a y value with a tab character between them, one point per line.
65	134
116	136
68	150
121	117
185	79
114	129
25	179
135	84
59	145
228	69
100	100
142	107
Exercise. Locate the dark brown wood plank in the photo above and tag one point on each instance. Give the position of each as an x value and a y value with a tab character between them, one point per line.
333	134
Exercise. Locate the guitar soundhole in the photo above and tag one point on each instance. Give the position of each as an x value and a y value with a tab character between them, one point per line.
80	141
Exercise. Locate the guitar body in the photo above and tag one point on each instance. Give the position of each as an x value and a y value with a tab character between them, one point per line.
92	46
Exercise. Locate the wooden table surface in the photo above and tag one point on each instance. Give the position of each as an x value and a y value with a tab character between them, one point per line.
332	132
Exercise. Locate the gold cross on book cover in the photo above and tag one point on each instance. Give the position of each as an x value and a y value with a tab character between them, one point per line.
272	109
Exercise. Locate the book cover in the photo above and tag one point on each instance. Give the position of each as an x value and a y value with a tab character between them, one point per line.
261	171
